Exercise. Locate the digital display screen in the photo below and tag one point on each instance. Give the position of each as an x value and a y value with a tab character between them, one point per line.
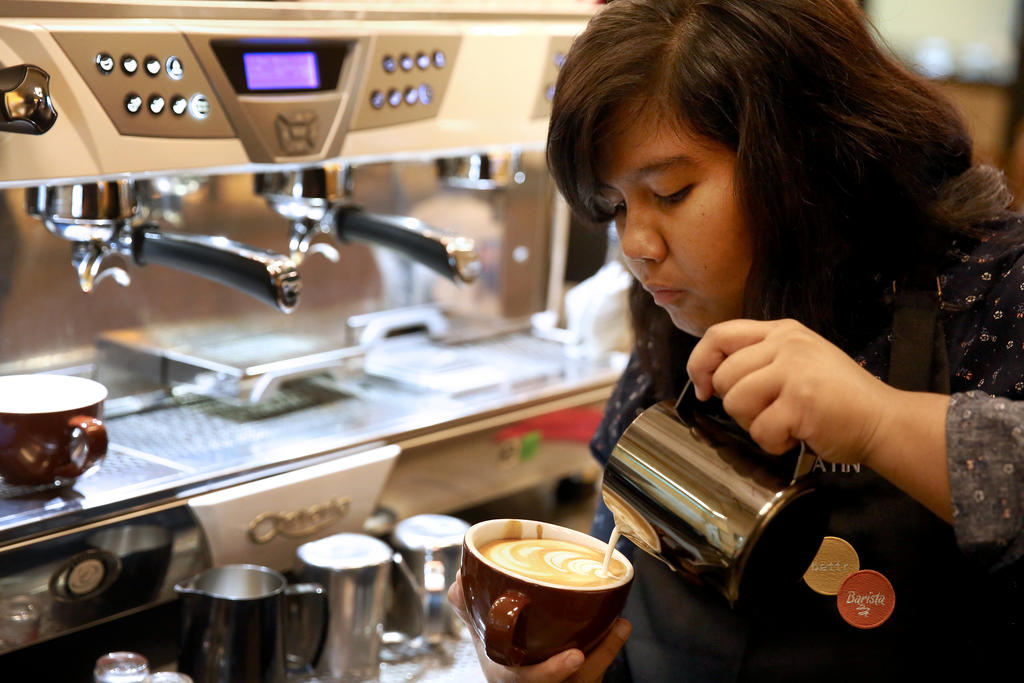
281	70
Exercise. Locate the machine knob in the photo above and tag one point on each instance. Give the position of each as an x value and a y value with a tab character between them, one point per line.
26	106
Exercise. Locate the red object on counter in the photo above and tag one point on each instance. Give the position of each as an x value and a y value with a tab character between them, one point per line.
571	424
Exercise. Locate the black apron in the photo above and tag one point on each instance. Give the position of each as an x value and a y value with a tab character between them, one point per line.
948	619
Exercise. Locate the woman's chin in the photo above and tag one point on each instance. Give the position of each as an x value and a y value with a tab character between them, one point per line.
694	323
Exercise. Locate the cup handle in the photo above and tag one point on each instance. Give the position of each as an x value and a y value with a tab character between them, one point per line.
87	444
500	628
299	656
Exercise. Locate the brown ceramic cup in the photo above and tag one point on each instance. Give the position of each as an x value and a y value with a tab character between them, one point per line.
524	621
50	428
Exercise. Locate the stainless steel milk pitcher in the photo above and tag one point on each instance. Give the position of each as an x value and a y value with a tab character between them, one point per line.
431	546
688	485
234	625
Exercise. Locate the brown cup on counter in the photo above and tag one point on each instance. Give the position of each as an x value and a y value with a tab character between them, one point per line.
522	619
50	428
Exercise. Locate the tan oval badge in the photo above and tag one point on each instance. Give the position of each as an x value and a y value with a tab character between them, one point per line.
866	599
836	559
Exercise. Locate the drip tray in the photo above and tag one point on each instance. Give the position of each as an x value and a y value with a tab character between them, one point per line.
247	365
237	365
510	361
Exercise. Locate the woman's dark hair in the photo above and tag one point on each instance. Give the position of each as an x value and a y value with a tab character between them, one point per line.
851	170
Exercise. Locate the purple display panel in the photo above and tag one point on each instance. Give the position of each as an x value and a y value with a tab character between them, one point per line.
281	70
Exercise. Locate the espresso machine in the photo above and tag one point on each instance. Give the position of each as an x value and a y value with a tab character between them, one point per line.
305	246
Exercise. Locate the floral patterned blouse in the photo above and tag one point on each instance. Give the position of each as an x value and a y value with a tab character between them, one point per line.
959	590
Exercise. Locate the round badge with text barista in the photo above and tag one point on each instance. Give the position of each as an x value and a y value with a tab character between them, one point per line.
835	560
866	599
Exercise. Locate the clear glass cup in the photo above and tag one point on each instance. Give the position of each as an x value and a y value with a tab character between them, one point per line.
168	677
121	667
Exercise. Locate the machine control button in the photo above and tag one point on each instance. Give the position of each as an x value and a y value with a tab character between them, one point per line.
199	106
411	95
388	64
129	65
175	69
179	105
104	63
152	66
426	94
394	97
405	61
423	61
439	59
85	576
133	103
297	132
376	99
156	104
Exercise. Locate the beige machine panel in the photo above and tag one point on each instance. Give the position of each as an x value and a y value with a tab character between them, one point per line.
406	78
285	126
149	82
558	46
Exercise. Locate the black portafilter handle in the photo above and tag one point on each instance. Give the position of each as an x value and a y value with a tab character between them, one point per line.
265	275
453	257
25	105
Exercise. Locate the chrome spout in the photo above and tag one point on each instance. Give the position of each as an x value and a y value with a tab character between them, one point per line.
305	196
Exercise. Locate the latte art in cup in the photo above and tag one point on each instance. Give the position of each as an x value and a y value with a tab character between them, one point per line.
553	561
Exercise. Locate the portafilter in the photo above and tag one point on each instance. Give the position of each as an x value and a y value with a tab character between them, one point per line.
96	218
317	201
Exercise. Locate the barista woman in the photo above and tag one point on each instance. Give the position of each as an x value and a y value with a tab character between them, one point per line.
811	243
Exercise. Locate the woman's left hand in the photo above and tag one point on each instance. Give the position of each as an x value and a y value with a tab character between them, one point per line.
784	383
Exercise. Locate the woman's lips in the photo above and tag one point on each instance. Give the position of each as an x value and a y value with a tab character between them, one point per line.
664	296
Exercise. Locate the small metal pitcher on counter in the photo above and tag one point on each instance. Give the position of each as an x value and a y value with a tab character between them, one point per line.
235	628
688	485
431	546
357	571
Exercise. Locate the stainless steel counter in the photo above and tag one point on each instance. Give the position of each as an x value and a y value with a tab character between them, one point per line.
188	443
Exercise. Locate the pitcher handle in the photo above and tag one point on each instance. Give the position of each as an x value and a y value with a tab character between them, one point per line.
685	407
804	462
298	597
500	628
398	617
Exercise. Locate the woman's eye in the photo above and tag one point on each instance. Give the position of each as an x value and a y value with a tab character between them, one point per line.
611	207
675	197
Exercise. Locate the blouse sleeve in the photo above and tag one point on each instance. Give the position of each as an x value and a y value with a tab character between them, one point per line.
985	454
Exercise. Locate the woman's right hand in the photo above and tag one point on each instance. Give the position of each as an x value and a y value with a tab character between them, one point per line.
572	665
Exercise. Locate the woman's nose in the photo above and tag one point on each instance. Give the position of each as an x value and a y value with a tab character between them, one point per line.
640	239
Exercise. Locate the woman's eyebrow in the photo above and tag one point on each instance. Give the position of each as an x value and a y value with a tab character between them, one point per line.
660	165
656	166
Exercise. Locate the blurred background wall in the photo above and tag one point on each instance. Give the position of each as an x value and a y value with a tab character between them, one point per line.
972	50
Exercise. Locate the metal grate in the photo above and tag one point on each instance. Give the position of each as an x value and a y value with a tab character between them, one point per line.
197	431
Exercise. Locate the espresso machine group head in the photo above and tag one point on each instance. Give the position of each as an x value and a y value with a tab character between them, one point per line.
318	202
97	218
